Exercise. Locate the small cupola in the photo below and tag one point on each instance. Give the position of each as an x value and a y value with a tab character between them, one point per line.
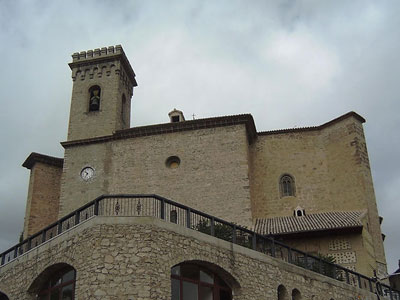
299	212
176	116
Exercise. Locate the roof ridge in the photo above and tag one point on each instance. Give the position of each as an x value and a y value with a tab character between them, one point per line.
155	129
331	220
315	128
35	157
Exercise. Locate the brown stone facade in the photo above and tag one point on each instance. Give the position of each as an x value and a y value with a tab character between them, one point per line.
43	197
331	171
222	166
212	175
131	258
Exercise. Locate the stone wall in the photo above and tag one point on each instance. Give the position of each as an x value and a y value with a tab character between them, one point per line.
348	250
131	258
212	175
324	164
43	197
331	171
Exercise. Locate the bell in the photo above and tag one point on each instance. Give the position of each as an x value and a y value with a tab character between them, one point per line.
94	103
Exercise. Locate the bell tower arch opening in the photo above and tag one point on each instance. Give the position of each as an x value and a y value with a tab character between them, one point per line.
94	98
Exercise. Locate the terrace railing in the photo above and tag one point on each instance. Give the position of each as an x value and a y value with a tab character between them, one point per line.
162	208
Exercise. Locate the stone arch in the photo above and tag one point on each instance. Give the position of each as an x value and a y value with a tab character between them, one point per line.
123	108
287	185
46	275
3	296
220	271
112	70
202	278
296	295
282	292
95	97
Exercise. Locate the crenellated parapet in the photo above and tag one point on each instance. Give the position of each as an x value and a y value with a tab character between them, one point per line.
101	62
96	53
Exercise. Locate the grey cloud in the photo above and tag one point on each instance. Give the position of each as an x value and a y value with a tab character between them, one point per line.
288	63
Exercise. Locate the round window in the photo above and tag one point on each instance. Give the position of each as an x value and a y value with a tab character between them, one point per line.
173	162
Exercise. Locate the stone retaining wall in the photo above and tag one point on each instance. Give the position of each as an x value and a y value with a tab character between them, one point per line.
131	258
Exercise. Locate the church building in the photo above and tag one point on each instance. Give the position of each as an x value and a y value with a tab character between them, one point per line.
194	209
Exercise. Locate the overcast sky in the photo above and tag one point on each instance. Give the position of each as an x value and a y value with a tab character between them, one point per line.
288	63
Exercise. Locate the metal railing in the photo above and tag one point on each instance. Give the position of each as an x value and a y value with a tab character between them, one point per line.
162	208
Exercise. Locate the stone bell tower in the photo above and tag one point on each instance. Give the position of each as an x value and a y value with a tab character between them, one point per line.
103	82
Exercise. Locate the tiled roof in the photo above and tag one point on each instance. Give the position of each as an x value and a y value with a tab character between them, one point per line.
197	124
315	128
312	222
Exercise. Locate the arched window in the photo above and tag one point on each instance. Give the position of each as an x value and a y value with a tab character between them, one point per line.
287	186
123	110
60	286
282	293
94	98
193	282
3	296
296	294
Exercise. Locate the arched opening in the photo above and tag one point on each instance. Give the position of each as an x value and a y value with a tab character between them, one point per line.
296	294
299	212
287	186
56	282
191	281
94	98
3	296
282	293
123	109
173	162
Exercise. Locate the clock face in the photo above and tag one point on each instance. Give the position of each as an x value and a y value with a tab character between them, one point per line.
87	173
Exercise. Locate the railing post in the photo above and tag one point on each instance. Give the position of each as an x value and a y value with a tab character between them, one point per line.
212	226
370	285
334	272
3	258
359	281
96	207
59	227
234	234
306	257
77	217
320	262
273	253
162	209
43	236
28	244
289	255
254	241
15	252
347	277
188	213
390	292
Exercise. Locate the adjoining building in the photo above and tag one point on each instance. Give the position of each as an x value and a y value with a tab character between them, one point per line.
239	196
395	279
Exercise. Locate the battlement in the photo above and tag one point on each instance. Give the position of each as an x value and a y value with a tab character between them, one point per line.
102	60
97	53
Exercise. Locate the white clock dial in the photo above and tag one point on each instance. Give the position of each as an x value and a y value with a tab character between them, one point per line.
87	173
